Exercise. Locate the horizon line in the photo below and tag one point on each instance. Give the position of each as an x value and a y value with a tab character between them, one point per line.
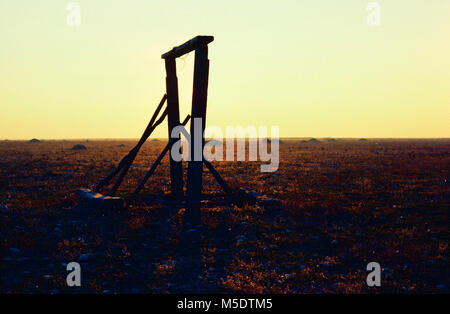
165	138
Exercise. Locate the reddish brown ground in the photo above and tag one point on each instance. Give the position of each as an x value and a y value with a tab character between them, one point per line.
345	204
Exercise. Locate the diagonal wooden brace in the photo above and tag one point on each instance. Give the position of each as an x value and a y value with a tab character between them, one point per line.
218	178
132	154
158	161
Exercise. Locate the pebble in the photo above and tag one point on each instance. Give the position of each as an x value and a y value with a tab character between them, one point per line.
84	257
4	209
14	250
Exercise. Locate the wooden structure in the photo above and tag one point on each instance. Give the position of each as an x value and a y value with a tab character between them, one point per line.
198	44
199	99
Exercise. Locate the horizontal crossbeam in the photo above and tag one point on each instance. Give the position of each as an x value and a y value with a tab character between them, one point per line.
188	46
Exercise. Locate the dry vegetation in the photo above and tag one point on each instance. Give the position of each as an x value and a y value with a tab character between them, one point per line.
344	204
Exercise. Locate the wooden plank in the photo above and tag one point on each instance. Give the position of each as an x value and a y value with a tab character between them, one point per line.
157	162
195	167
188	46
176	167
218	178
132	154
99	200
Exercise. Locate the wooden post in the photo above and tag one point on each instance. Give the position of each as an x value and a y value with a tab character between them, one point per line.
176	167
199	99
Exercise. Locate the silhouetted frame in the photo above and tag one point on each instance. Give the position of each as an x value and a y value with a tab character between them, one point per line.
198	44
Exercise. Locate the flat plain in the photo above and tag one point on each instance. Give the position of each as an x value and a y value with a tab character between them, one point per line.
340	205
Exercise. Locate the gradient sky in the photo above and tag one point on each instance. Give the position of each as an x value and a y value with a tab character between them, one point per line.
312	67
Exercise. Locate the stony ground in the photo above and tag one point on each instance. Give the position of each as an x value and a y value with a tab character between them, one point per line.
343	204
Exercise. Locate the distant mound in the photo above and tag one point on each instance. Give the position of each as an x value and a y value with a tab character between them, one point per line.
313	140
155	140
362	140
269	140
34	140
79	147
331	140
213	143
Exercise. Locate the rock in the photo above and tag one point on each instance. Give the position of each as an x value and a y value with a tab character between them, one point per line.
213	143
14	250
4	209
34	140
84	257
362	140
313	140
79	147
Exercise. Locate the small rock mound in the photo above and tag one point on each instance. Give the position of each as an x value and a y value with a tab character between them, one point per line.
4	209
362	140
213	143
313	140
79	147
331	140
34	140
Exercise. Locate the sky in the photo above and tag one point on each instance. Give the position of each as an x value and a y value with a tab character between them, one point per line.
314	68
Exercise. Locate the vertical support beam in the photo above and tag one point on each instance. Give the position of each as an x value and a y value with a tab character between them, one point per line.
173	113
199	100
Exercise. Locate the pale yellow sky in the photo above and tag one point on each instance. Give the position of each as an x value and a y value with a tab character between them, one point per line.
312	67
